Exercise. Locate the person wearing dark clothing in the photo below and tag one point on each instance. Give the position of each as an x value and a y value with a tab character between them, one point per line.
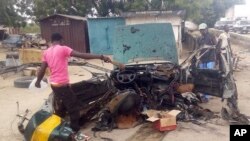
56	59
209	58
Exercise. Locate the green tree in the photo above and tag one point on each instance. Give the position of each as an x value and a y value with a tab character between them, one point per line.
162	5
110	7
31	28
44	8
197	10
216	10
193	7
106	8
10	14
136	5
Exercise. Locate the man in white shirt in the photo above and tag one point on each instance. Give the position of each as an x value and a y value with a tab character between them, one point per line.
224	42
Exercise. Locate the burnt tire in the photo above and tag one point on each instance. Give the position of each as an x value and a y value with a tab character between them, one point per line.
23	82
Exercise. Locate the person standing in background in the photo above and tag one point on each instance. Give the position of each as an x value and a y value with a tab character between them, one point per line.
208	58
207	61
224	43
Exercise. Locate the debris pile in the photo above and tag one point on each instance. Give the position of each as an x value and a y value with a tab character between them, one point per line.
154	87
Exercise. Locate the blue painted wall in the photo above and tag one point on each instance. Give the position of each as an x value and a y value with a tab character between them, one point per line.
147	41
101	34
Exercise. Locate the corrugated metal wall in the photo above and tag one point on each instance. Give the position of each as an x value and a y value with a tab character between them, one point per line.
75	32
101	34
145	42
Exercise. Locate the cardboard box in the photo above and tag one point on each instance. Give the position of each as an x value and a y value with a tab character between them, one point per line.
163	120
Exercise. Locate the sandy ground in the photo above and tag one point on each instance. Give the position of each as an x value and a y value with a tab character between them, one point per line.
216	130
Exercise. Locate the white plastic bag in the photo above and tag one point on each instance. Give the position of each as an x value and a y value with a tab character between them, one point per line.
33	88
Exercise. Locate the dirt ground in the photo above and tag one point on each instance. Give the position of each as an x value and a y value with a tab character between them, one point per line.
216	130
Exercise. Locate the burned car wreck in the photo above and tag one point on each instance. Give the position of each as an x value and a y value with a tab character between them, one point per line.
218	82
151	79
162	84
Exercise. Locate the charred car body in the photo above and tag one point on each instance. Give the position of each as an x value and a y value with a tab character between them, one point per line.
155	75
151	80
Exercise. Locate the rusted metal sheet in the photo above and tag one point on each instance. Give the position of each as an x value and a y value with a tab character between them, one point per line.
73	29
145	42
101	34
173	17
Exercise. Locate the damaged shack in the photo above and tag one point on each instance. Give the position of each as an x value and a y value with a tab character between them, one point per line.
73	29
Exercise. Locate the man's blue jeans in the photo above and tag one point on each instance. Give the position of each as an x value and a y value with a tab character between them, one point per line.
207	65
